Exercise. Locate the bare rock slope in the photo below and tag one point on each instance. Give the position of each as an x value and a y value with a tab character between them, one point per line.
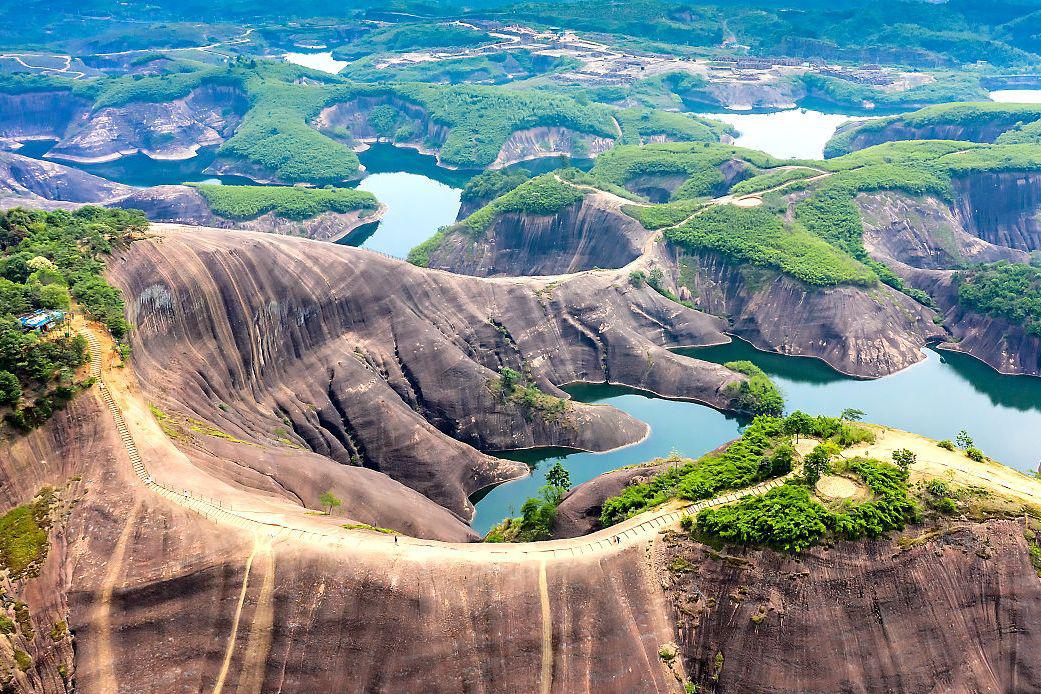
372	362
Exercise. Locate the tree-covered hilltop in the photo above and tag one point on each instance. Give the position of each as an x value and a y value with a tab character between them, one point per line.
973	122
47	260
277	137
291	202
1004	289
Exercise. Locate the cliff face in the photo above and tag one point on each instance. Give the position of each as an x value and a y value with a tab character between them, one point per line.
954	613
546	141
31	182
919	239
167	130
984	131
1001	208
373	362
40	114
925	233
862	332
591	233
349	121
40	184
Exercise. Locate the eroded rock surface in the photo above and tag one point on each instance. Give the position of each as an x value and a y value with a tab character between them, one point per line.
373	362
592	233
954	613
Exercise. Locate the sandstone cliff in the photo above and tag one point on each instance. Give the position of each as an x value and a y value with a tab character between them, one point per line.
856	137
370	361
589	234
173	129
920	238
40	184
955	613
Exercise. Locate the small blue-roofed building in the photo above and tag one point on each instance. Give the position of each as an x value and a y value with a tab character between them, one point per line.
42	320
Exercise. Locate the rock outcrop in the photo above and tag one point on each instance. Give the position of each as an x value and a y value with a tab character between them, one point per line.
955	612
26	182
579	511
42	184
173	129
40	114
373	362
1001	208
591	233
549	141
857	331
920	239
856	136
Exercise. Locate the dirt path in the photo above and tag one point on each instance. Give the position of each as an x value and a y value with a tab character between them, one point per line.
107	681
934	461
229	651
254	660
278	519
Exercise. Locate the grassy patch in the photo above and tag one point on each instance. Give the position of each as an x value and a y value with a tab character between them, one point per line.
756	236
291	202
23	535
366	526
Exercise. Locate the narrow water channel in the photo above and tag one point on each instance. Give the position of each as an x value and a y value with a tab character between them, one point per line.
937	397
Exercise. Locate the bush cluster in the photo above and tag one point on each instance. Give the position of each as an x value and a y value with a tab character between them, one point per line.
790	519
291	202
763	451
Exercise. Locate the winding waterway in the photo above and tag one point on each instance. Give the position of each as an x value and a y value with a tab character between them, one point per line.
937	397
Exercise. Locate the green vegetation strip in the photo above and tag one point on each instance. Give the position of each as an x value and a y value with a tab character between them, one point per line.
757	236
544	195
1006	290
790	519
291	202
763	451
23	535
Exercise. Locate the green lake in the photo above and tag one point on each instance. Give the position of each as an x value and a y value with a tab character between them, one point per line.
937	397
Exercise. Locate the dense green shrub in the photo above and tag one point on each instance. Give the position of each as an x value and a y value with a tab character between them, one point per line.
23	534
489	185
640	123
771	179
291	202
756	236
1003	289
786	517
757	395
538	514
790	519
971	116
665	215
543	195
761	452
